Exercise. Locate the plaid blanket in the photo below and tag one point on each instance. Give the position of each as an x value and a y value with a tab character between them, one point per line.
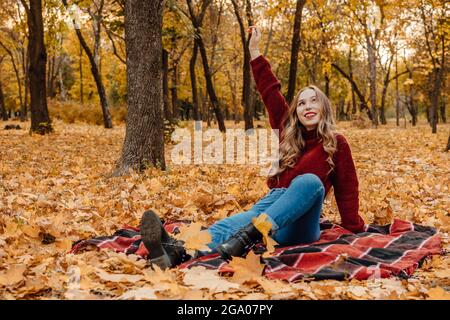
396	249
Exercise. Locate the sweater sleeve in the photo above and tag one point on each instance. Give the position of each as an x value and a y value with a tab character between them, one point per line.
269	88
345	185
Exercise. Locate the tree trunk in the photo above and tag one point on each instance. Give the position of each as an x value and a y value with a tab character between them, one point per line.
246	77
40	119
448	144
294	50
107	121
16	72
386	82
350	68
372	61
327	85
165	72
435	93
3	112
397	96
269	37
144	137
442	108
80	67
192	63
206	70
174	90
363	104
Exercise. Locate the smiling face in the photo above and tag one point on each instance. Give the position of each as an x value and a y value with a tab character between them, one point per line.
309	109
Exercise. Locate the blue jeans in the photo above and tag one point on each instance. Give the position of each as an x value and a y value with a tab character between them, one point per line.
294	213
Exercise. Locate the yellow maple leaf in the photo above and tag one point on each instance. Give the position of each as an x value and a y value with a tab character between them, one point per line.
264	226
194	238
246	269
438	293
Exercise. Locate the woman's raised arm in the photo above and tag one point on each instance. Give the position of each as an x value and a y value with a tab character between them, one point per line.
267	83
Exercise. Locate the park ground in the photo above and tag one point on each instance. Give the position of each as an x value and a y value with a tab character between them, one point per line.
57	189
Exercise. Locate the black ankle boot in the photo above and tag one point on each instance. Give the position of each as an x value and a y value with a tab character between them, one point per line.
240	243
164	251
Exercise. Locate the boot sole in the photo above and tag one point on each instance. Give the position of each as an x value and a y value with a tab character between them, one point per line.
151	234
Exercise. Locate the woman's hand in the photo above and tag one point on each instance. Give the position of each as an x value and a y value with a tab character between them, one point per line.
253	44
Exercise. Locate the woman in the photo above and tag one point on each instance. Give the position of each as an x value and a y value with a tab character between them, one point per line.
313	157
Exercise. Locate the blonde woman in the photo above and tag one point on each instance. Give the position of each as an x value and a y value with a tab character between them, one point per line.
313	158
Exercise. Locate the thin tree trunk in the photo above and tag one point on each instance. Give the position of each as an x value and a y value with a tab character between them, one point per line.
107	121
442	110
144	137
24	111
363	103
269	38
80	66
206	69
246	77
294	50
3	112
193	76
372	61
386	82
174	90
397	96
16	72
165	72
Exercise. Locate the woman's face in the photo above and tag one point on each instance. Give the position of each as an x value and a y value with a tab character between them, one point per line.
309	109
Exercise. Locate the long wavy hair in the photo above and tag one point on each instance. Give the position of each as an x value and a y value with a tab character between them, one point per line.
292	142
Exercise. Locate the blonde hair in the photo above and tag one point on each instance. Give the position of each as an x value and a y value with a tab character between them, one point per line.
292	142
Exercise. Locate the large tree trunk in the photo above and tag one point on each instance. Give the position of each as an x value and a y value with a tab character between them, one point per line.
206	69
294	50
40	119
144	138
107	121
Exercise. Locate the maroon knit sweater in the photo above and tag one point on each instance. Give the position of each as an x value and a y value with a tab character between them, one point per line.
313	158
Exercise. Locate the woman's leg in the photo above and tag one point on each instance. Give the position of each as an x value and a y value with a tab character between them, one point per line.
295	215
222	230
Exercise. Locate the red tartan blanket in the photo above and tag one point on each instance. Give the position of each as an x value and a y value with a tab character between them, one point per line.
396	249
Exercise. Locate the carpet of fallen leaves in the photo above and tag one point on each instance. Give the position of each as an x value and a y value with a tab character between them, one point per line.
56	189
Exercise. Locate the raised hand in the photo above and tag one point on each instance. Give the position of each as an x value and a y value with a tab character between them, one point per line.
253	45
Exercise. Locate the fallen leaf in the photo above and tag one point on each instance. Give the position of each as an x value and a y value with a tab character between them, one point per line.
202	278
246	269
438	293
118	277
145	293
274	286
13	275
264	226
194	238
